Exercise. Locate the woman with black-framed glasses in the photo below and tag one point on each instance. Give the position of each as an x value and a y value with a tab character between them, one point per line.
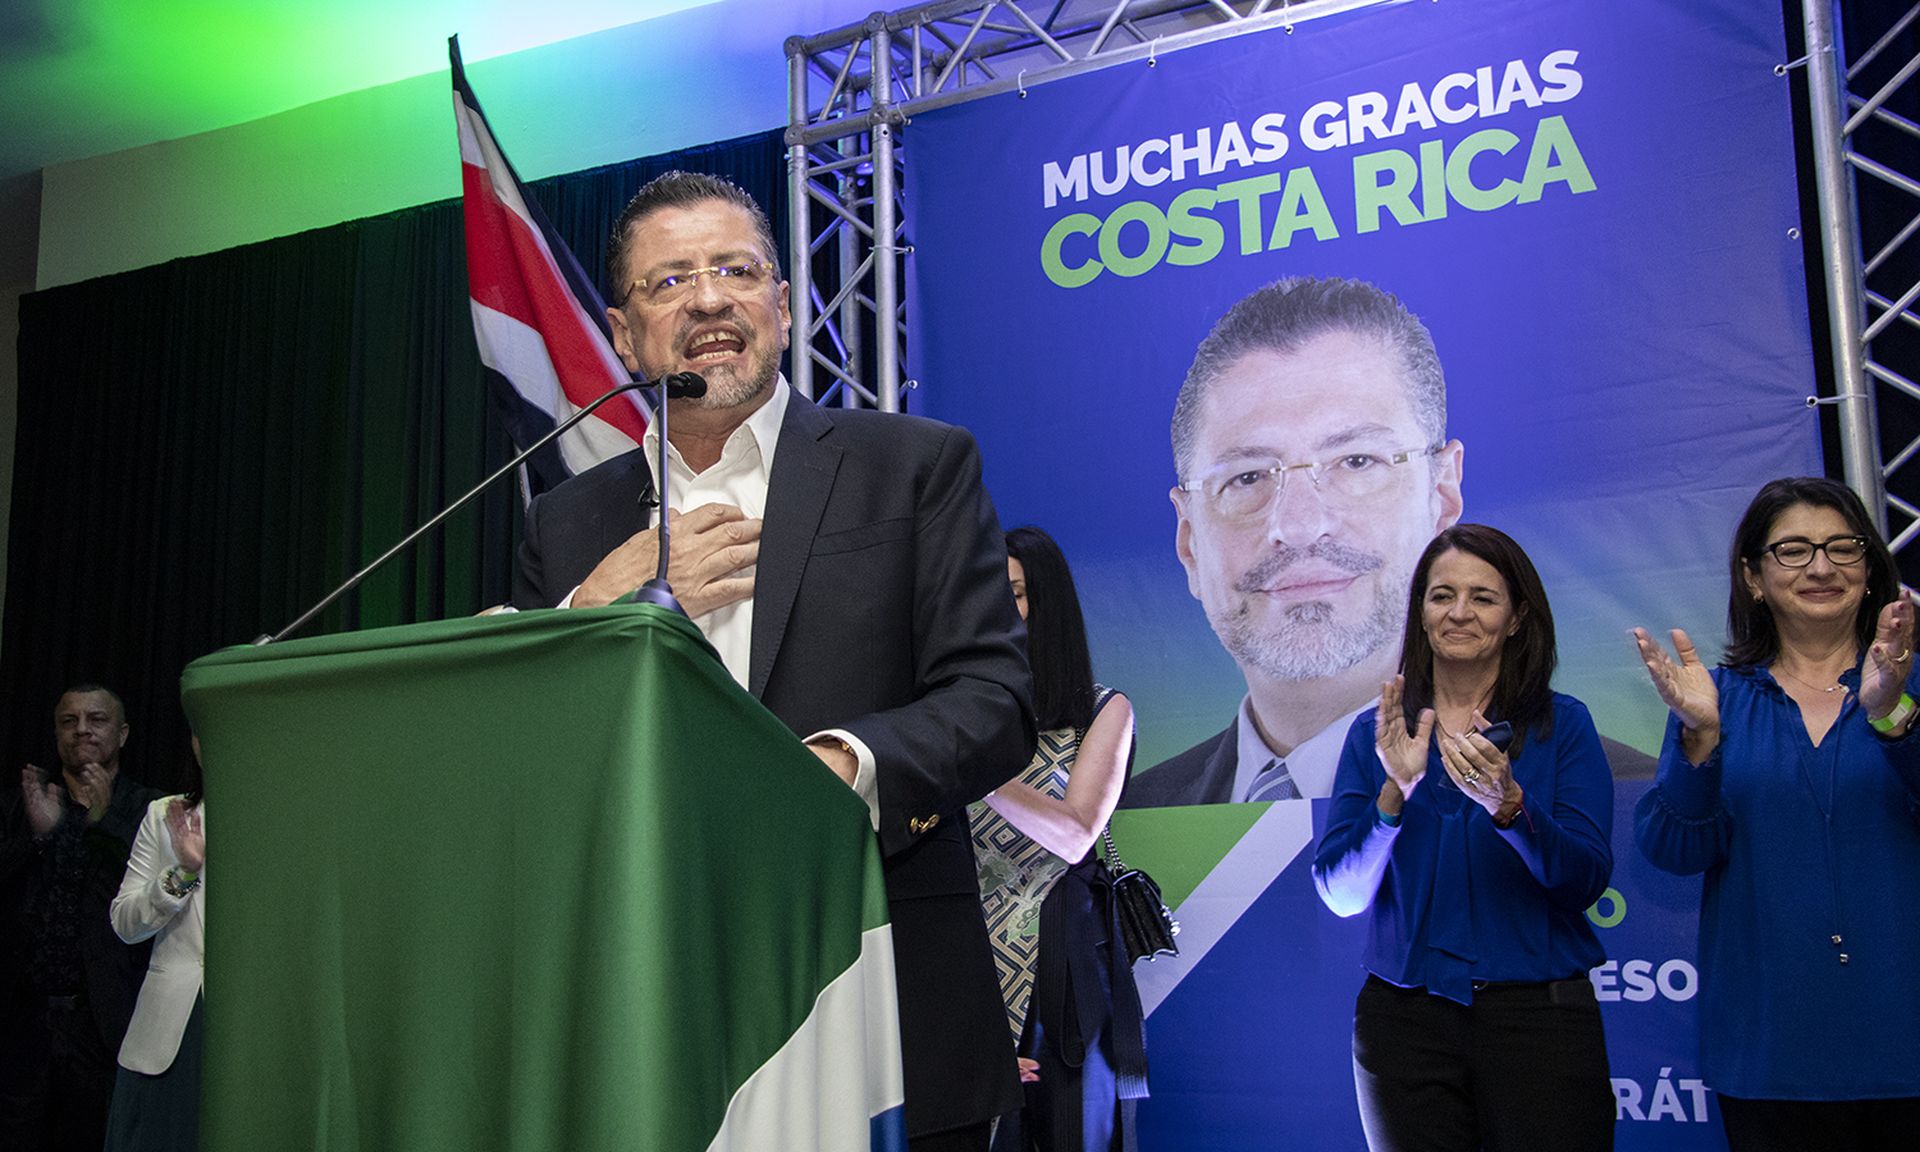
1790	777
1472	817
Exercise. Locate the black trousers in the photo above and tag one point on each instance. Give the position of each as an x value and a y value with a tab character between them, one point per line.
65	1103
1523	1068
1829	1125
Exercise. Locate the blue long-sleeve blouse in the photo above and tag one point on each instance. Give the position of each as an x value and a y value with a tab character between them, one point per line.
1456	900
1810	918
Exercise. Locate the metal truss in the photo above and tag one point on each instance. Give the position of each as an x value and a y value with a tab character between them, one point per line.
1874	327
852	90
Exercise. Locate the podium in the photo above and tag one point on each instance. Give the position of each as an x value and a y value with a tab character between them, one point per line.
537	882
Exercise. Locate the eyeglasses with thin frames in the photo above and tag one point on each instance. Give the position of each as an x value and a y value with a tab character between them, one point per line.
736	279
1242	489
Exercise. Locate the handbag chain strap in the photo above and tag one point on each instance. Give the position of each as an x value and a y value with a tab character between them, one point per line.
1106	834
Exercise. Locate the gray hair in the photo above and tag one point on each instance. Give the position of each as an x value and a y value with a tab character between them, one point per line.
1282	316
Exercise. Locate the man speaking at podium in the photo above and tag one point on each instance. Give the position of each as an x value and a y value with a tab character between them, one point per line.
850	570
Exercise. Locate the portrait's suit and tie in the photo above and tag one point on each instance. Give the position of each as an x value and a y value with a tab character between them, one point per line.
1203	774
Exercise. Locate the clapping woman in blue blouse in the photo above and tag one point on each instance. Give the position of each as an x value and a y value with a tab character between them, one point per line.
1791	778
1477	1026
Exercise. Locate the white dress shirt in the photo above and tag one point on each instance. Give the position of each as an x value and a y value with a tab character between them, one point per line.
740	478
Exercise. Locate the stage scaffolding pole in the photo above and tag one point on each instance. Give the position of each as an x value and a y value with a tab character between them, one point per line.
1841	264
886	228
847	242
800	239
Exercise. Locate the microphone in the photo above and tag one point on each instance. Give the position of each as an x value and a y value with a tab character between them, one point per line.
684	386
675	386
518	459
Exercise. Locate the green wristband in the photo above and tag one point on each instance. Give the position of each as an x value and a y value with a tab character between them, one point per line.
1893	721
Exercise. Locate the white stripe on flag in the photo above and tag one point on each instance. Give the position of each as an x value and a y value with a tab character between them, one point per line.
517	352
839	1069
477	147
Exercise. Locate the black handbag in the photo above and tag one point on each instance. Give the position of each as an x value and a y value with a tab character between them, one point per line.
1147	927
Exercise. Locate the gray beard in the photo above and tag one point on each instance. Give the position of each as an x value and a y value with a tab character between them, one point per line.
1307	644
727	389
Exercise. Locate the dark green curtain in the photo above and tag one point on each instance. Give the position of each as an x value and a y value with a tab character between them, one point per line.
209	446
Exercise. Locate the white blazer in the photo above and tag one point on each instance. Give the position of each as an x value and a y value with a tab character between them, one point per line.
179	927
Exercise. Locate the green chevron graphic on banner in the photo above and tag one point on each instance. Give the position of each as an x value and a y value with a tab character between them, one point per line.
1179	846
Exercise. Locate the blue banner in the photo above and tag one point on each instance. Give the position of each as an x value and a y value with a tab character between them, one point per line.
1590	206
1589	211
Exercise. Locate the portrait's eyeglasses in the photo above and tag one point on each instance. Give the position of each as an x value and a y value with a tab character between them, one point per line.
1797	552
739	279
1241	489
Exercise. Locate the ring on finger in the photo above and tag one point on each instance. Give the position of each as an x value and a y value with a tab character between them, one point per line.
1906	654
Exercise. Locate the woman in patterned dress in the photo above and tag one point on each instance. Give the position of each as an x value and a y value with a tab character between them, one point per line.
1044	891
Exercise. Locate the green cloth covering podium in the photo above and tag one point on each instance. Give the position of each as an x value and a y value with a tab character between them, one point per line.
534	882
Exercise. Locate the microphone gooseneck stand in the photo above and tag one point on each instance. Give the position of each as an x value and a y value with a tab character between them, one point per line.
677	384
